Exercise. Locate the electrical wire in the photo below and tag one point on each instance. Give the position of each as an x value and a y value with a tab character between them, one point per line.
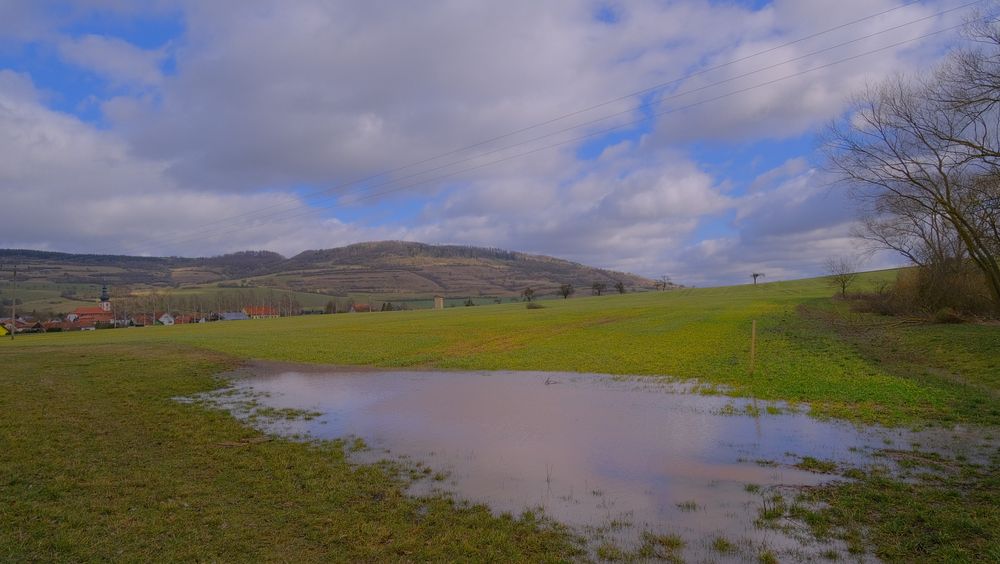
297	203
311	209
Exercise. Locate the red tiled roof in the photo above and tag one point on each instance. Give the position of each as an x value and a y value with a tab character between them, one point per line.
260	310
92	310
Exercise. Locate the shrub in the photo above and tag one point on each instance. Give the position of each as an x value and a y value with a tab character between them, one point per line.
943	295
947	315
533	305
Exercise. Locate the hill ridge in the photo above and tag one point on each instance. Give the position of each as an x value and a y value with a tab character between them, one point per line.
390	267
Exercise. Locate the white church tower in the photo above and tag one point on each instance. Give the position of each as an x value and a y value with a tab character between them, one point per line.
105	299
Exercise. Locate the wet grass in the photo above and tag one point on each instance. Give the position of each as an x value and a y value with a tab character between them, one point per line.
687	506
811	464
99	463
723	545
652	546
820	359
947	512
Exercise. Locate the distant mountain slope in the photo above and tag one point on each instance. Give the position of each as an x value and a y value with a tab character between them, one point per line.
387	267
68	268
416	268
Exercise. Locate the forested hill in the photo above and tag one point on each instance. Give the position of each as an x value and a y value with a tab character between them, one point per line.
387	267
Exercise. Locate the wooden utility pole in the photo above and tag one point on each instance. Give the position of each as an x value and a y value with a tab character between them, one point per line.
13	300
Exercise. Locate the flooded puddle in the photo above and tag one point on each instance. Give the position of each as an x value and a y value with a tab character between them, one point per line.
611	458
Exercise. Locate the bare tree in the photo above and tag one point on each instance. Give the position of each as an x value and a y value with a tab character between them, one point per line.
664	282
842	270
755	276
923	157
598	288
620	286
528	294
566	290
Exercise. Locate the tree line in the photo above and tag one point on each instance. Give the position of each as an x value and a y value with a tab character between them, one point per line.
921	155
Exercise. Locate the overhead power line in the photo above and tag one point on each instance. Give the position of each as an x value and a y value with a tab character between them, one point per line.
308	209
339	188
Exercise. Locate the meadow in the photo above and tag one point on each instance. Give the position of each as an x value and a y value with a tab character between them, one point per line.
810	348
99	458
53	299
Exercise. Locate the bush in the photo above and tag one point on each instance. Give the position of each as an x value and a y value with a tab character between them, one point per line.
947	315
943	295
533	305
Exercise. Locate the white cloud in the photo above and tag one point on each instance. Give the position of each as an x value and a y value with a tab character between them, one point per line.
69	186
118	60
785	104
269	99
792	220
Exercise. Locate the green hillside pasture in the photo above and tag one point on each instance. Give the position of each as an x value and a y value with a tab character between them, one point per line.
47	296
318	301
208	293
701	334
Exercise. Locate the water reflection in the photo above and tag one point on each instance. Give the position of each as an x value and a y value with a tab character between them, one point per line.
607	456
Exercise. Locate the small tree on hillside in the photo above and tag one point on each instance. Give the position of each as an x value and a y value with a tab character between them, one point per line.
528	294
664	282
755	276
620	286
842	272
566	290
598	288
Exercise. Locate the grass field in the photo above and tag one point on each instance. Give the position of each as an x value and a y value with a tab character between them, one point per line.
47	297
98	457
917	373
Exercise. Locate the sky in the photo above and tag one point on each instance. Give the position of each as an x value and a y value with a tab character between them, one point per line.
679	138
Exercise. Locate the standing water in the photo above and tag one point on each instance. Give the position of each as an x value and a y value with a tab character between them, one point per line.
612	458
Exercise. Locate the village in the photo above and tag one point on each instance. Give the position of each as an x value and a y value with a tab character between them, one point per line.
111	313
105	315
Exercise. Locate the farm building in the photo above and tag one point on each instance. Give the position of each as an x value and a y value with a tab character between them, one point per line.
91	315
260	312
143	319
233	316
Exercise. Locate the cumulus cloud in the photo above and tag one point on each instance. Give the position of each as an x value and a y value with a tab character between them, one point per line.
72	187
327	91
793	210
270	111
120	61
792	88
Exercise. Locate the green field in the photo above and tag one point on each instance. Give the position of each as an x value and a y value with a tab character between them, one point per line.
46	298
98	457
809	349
